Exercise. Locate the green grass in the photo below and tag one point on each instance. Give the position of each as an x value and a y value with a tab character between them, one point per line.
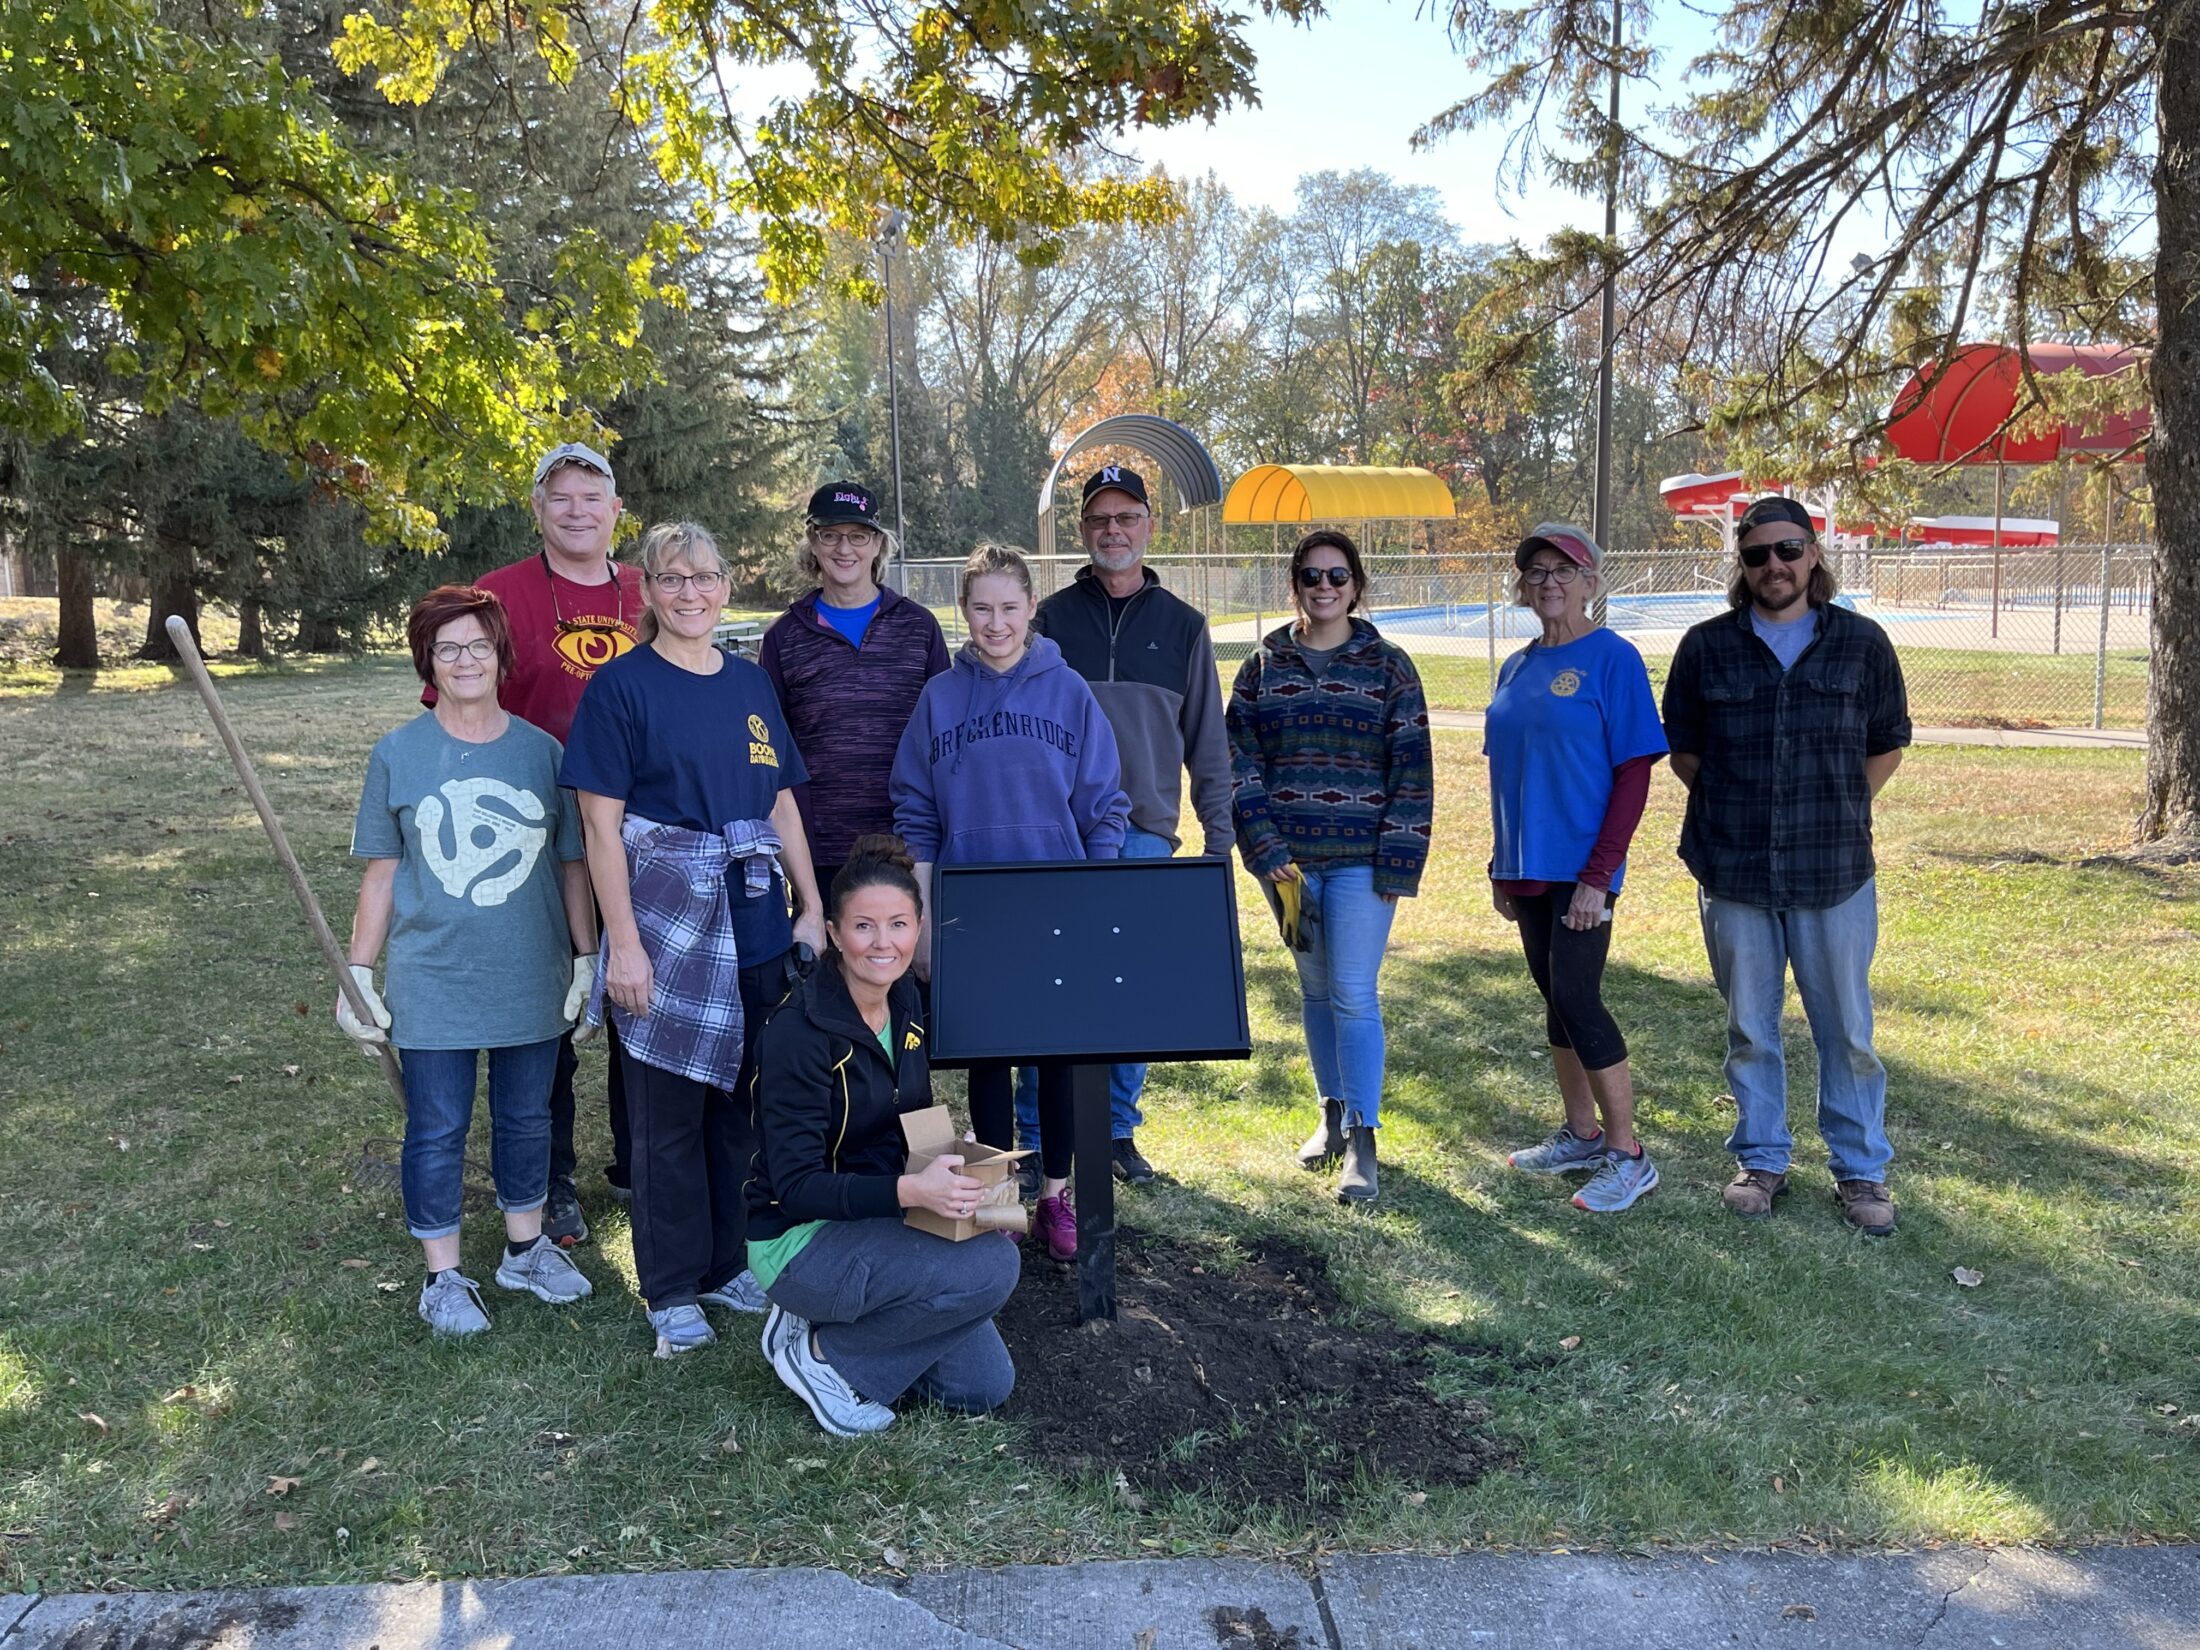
183	1187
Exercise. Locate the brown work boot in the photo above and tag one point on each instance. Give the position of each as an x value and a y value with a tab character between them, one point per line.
1866	1205
1750	1193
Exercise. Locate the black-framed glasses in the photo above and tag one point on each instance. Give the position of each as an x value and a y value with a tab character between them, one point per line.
671	584
1756	555
1125	520
1561	573
479	648
1310	578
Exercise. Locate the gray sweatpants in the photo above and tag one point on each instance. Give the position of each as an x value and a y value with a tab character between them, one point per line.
898	1310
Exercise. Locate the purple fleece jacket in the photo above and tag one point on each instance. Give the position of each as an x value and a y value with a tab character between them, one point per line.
1009	768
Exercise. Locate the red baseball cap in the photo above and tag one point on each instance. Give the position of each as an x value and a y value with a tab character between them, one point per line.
1568	540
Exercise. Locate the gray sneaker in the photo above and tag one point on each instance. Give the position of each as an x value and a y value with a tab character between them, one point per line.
1619	1184
541	1270
739	1293
562	1222
1564	1153
817	1383
681	1329
451	1305
780	1325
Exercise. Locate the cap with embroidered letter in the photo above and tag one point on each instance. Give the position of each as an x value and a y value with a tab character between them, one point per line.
1114	478
573	452
843	503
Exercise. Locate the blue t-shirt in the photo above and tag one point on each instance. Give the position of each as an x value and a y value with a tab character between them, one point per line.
1561	720
480	955
851	622
1787	641
695	751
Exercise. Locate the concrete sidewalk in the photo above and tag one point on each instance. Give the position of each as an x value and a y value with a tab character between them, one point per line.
2113	1598
2106	739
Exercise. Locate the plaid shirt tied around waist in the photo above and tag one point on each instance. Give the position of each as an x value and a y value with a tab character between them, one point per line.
1780	814
676	879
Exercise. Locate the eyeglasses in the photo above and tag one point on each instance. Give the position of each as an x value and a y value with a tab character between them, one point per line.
1310	578
1562	573
1124	520
479	648
671	584
1756	555
857	538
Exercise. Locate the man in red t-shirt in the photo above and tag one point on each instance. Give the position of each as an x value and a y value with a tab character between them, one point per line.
572	608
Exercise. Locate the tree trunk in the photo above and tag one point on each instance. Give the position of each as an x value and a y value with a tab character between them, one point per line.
77	645
319	635
2173	453
175	590
251	635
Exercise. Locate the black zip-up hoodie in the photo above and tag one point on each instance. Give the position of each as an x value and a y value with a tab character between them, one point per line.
829	1104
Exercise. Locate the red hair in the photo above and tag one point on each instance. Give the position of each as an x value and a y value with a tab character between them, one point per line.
456	601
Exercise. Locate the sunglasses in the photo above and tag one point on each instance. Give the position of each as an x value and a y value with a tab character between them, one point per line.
1310	578
1756	555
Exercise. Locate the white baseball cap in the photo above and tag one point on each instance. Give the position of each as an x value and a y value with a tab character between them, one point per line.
572	452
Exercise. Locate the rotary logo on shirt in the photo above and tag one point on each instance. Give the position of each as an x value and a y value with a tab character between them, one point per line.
482	838
1566	683
761	753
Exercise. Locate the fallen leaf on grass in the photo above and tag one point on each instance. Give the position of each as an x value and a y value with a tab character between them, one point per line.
290	1071
170	1508
1417	1498
279	1485
355	1265
372	1463
389	1286
1967	1278
234	1077
182	1395
2165	1409
1779	1485
286	1521
1569	1343
729	1445
895	1558
94	1422
1131	1498
1799	1612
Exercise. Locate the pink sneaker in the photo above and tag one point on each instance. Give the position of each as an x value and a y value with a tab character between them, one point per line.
1056	1222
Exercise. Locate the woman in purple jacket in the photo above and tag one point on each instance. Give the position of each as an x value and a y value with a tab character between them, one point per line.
848	661
1010	758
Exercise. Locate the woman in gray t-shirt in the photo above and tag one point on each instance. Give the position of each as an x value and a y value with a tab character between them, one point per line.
475	880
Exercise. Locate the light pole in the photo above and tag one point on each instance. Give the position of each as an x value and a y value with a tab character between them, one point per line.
889	232
1600	507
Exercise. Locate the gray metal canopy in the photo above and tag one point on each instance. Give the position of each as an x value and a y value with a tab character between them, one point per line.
1179	453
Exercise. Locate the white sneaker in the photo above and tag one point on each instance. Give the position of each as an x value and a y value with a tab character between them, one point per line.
740	1293
541	1270
817	1383
451	1305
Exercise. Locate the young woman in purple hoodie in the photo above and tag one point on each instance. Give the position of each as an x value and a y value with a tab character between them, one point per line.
1010	758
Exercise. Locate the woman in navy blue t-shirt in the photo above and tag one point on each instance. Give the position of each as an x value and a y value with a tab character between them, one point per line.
1572	734
686	775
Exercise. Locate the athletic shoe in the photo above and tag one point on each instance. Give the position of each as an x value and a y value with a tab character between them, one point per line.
1866	1205
1619	1184
450	1304
541	1270
1130	1163
681	1329
1056	1223
1750	1193
739	1293
1027	1180
780	1325
839	1409
561	1216
1564	1153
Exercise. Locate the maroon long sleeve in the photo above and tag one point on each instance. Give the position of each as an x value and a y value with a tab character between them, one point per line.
1630	793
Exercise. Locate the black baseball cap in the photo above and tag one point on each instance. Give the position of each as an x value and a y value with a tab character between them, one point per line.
1775	508
1113	478
841	502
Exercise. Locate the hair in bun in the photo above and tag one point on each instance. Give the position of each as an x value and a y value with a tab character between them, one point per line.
877	861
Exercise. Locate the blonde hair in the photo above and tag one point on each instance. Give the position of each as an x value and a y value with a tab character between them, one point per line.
805	559
671	541
995	558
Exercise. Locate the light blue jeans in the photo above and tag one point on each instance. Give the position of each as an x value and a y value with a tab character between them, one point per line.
1340	1009
1751	950
1125	1083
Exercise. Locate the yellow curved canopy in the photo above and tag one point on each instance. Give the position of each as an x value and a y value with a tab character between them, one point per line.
1334	492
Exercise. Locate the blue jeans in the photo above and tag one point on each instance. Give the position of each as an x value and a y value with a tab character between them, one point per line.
439	1107
1341	1011
1751	950
1125	1083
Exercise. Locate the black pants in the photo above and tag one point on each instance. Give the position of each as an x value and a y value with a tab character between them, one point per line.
563	1159
692	1149
1568	965
993	1112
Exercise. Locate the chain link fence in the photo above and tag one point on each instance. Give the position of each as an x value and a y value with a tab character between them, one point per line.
2054	637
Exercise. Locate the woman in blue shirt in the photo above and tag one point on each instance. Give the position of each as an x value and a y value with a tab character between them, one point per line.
686	777
1571	736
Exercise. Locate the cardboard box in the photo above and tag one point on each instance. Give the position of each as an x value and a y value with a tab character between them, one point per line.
931	1133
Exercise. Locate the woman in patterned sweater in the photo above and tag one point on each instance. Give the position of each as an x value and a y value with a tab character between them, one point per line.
1333	786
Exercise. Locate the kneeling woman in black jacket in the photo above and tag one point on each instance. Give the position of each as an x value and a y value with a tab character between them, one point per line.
865	1309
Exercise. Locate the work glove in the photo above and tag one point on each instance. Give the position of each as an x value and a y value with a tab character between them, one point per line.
577	994
368	1037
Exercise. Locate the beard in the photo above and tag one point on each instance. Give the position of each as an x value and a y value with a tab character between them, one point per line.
1781	603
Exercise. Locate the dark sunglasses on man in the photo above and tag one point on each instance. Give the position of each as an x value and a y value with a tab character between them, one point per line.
1756	555
1311	577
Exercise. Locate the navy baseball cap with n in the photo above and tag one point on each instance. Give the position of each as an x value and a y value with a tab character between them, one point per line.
573	452
843	503
1564	537
1775	508
1113	478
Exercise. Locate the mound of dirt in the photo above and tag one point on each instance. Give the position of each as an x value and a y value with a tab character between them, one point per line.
1239	1383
